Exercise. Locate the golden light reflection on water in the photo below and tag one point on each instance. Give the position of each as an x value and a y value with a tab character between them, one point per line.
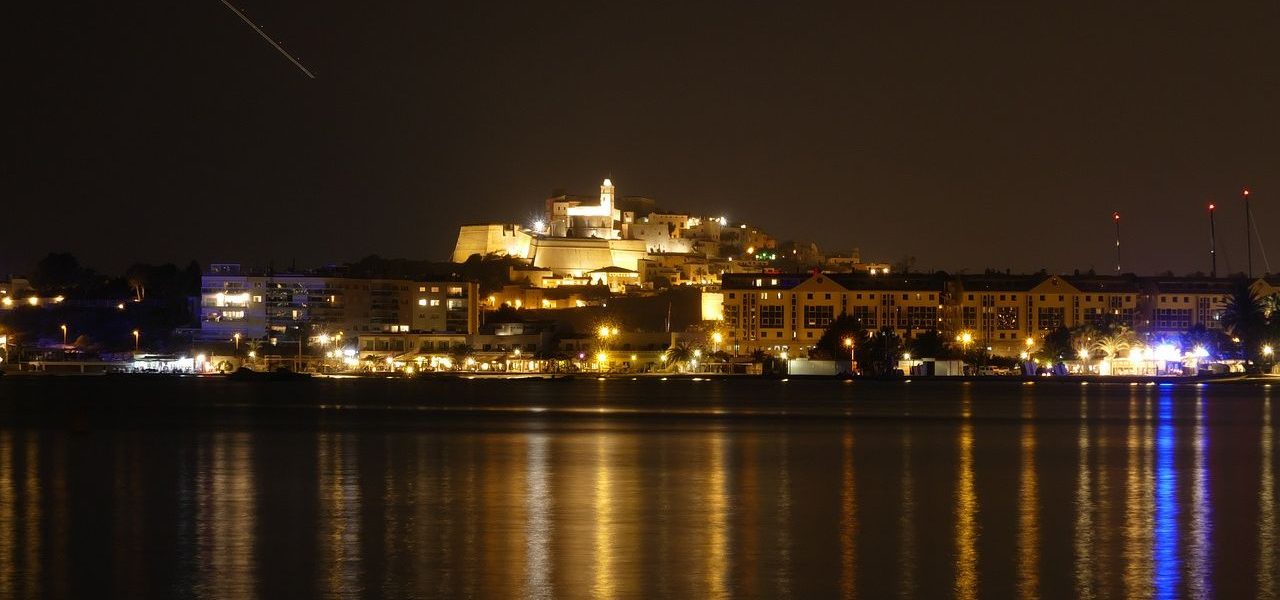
603	586
782	577
339	532
226	515
538	531
31	517
1268	562
966	512
1084	538
1028	508
848	519
717	567
7	517
1139	511
906	523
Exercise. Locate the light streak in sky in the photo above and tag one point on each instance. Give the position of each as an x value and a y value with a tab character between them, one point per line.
268	38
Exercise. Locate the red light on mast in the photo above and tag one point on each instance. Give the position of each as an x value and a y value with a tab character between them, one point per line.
1246	191
1115	215
1211	207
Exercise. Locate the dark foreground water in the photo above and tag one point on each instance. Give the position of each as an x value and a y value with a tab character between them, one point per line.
596	489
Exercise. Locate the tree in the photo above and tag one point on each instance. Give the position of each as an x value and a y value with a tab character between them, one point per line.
1057	345
1115	345
930	344
878	353
459	354
678	355
1244	317
1215	341
831	345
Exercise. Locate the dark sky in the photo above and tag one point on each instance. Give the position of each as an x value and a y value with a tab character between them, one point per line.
971	135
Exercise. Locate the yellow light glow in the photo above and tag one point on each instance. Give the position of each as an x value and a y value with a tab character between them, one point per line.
602	357
1030	342
1268	350
848	342
33	301
118	306
253	354
7	301
58	299
603	331
716	337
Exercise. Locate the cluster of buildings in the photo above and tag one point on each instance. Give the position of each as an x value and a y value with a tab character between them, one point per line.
628	244
789	312
584	250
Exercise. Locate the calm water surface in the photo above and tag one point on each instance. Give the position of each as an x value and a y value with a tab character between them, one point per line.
214	489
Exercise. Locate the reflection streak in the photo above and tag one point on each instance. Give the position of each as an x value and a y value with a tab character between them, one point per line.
906	523
1084	539
848	520
1028	513
1168	566
1201	512
538	500
603	587
966	567
1268	562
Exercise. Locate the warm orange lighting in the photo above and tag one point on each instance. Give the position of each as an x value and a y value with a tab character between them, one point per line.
1211	207
1115	215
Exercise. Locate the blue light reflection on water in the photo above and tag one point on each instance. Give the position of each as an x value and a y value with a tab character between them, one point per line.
1168	564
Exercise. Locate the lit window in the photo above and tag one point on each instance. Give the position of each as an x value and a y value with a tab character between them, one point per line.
422	301
435	302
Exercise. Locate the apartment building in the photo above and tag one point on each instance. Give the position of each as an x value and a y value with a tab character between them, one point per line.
789	312
259	304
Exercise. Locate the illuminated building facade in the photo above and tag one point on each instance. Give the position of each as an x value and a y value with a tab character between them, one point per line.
789	312
261	305
578	238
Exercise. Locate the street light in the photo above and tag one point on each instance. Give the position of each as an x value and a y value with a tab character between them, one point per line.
63	327
965	339
1267	351
136	339
237	338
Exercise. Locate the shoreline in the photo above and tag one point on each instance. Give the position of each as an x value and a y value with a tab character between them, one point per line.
1231	379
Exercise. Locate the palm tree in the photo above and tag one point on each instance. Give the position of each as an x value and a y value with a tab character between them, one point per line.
1244	317
459	354
1116	344
679	354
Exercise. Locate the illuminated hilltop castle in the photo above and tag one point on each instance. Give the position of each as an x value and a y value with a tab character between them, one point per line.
584	238
574	238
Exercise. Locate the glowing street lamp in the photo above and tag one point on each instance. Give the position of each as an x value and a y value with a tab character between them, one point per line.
1268	351
63	327
966	339
236	336
137	338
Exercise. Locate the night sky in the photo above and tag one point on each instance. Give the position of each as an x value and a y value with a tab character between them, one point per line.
972	135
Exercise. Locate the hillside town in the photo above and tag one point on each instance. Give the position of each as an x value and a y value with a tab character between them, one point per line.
612	284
